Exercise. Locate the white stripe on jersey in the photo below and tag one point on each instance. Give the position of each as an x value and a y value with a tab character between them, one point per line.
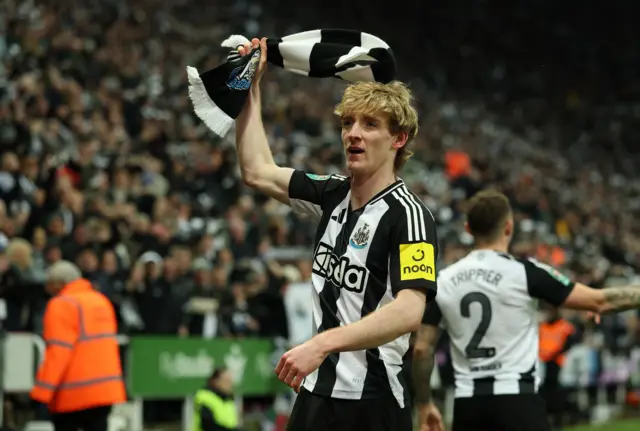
417	231
492	322
352	367
342	281
393	353
351	370
418	214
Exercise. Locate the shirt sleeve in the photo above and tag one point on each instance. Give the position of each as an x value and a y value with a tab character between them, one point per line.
546	282
308	192
413	249
432	314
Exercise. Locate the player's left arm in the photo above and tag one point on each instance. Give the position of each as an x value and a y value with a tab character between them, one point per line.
547	283
413	252
412	271
424	353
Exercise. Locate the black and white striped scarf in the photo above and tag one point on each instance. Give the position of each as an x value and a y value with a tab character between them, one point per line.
218	95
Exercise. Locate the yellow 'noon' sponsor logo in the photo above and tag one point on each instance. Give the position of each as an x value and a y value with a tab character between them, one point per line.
417	262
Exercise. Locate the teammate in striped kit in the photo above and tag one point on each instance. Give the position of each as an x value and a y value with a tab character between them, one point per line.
373	265
487	303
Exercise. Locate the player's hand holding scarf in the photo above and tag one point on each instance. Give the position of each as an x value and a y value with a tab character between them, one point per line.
218	95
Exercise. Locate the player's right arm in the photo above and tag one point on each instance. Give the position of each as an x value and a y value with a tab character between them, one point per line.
547	283
257	166
305	193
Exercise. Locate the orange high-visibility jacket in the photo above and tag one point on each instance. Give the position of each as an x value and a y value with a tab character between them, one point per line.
82	366
553	339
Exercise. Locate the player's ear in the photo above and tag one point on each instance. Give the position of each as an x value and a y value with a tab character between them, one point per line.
508	227
400	140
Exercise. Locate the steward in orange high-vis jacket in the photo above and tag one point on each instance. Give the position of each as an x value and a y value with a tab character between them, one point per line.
81	376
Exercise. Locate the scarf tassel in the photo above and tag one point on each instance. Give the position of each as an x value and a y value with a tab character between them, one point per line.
214	118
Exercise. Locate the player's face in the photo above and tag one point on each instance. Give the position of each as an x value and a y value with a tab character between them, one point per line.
225	382
368	143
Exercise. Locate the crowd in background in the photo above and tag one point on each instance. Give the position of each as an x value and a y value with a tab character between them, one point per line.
104	164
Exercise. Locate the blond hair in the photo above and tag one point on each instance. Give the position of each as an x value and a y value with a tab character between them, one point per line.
16	247
393	100
19	253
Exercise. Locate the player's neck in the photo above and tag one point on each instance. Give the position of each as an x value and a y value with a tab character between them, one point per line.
498	246
365	187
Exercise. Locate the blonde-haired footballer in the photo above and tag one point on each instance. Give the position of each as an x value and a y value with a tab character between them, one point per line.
374	259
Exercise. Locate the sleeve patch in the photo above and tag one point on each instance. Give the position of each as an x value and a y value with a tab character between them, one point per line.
319	177
417	262
554	273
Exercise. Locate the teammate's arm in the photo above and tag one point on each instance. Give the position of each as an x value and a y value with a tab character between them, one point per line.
607	300
547	283
423	353
423	363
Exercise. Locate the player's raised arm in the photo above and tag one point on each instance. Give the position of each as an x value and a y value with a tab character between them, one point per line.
258	168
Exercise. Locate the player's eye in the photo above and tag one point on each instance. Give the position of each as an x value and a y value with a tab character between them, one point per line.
346	122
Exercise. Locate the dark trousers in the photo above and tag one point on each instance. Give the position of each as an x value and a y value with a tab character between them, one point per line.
317	413
524	412
95	419
555	395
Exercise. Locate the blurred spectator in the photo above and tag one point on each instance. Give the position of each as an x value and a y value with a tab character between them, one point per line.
298	306
242	314
23	294
216	409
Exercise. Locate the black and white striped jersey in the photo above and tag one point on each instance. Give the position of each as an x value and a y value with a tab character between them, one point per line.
362	259
487	303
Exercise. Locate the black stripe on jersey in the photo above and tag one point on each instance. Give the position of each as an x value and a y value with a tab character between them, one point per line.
329	304
544	282
432	314
527	381
490	386
505	255
376	380
386	193
484	386
275	57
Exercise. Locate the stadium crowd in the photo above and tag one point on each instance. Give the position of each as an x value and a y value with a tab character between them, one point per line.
104	164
